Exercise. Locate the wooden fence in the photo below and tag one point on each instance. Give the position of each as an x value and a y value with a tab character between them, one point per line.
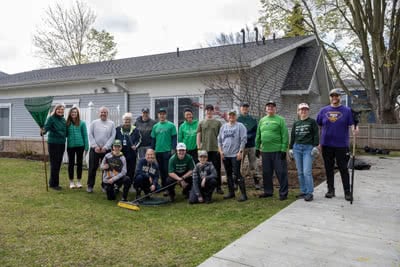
383	136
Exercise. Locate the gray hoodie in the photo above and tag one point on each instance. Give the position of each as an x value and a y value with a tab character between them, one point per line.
232	138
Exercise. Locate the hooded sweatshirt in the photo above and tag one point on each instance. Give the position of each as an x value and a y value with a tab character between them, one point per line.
145	130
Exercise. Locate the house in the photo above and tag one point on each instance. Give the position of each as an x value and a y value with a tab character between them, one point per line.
286	70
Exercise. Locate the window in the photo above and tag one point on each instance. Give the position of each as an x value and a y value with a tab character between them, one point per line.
5	119
175	107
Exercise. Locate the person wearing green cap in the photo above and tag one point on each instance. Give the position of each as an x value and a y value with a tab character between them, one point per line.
114	172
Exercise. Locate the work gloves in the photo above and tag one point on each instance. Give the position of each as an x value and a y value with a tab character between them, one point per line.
315	152
291	155
257	153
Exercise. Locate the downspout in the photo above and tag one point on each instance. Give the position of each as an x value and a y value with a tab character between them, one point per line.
123	89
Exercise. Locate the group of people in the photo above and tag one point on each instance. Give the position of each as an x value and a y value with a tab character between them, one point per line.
146	153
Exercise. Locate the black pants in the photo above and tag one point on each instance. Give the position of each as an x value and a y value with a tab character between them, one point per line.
131	166
194	155
72	151
206	191
94	162
215	159
163	159
185	191
142	182
56	152
110	188
341	154
271	161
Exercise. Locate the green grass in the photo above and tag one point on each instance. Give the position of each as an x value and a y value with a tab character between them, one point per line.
74	228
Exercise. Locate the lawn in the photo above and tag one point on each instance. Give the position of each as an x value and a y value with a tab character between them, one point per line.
74	228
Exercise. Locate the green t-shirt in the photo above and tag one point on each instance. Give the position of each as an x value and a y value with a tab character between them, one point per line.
162	132
209	130
304	132
180	166
272	134
187	134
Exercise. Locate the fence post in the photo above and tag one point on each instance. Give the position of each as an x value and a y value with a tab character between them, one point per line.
369	135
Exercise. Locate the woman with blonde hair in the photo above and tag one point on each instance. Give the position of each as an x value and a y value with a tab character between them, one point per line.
56	128
77	143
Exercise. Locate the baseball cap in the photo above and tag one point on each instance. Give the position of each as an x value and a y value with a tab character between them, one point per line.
335	91
232	111
162	110
202	153
245	104
117	142
209	107
145	110
303	105
180	146
271	102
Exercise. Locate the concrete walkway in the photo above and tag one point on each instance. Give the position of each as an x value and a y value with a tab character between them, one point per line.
329	232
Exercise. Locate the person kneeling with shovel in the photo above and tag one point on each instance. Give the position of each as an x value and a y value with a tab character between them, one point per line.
180	168
114	172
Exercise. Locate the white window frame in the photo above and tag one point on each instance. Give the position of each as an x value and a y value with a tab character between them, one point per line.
153	113
7	105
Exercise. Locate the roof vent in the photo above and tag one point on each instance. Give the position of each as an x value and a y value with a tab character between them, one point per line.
256	30
244	37
273	37
263	39
177	51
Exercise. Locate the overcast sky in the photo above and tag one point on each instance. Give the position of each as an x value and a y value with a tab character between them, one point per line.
140	27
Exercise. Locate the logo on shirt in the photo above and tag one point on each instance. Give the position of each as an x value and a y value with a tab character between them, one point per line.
333	116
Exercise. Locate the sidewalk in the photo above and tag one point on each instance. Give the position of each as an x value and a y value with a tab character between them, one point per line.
329	232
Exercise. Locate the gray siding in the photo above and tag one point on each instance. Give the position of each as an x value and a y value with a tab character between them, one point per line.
137	102
265	82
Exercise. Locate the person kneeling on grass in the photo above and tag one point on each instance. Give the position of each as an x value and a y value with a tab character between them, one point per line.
180	168
204	180
114	172
147	174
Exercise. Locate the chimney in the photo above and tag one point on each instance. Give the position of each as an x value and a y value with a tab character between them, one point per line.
177	51
263	39
256	30
244	37
273	36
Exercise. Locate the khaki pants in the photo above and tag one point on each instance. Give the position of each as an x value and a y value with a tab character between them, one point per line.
250	153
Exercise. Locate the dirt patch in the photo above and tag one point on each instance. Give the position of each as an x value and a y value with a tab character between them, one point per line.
318	173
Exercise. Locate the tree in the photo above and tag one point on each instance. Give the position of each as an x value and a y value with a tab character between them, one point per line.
67	37
365	43
295	22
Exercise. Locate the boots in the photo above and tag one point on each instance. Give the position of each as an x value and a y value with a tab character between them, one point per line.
330	193
231	189
242	187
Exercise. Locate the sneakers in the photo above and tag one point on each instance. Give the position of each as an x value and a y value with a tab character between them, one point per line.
78	184
347	196
265	195
72	185
330	194
124	200
301	195
89	189
308	197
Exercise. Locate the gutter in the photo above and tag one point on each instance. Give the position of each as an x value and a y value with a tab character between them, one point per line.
122	87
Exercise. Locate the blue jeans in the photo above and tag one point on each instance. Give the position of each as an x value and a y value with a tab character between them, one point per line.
304	160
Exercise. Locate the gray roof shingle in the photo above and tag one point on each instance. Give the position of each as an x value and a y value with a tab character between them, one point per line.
302	68
197	60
